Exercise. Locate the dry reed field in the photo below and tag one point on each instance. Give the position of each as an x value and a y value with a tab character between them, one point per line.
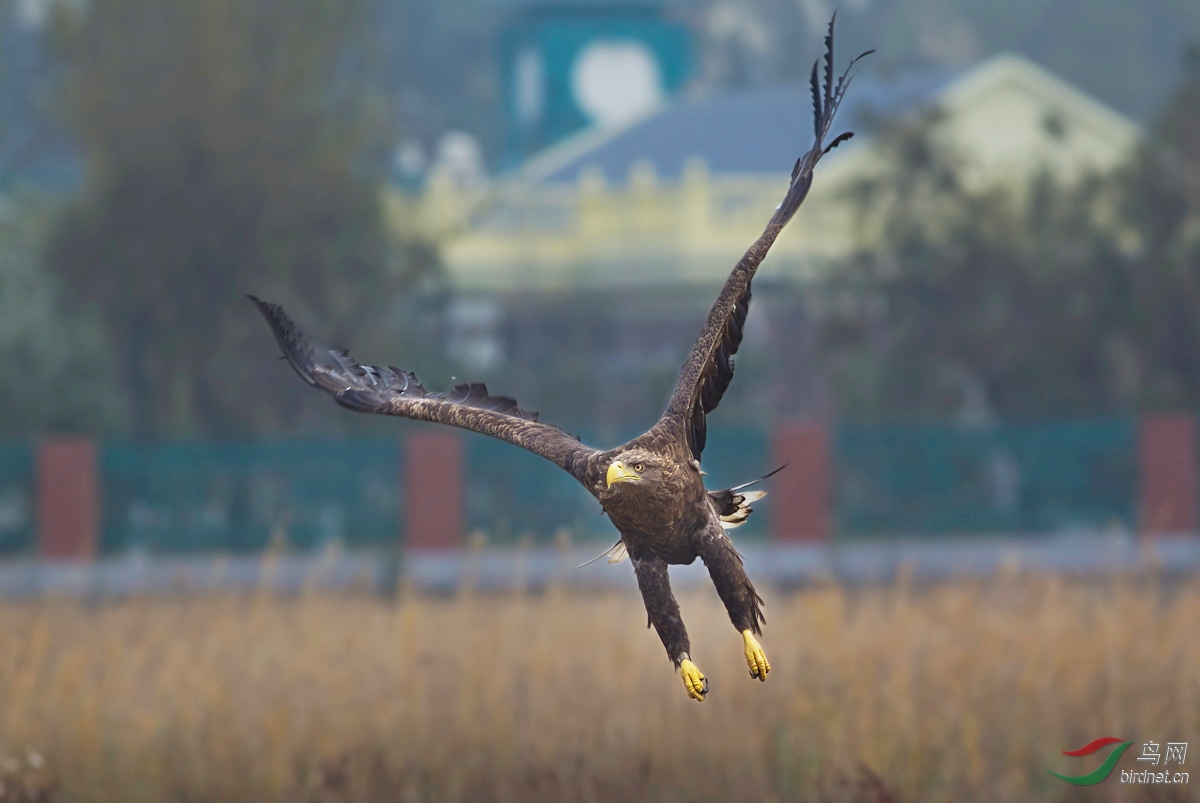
963	691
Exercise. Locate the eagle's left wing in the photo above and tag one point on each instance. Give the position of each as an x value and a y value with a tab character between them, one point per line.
709	368
392	391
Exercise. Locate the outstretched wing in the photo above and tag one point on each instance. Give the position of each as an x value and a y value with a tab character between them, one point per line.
709	368
392	391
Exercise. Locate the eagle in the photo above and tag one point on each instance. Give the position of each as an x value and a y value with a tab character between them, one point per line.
652	487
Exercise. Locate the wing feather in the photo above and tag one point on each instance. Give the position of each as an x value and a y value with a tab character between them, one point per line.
709	367
393	391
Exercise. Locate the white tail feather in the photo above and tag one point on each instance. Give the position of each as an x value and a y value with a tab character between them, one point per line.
738	517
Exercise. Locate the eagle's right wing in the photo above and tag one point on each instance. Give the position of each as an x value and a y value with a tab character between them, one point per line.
709	368
391	391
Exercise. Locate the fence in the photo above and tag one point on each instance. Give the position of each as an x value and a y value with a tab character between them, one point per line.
16	497
846	482
1015	479
186	497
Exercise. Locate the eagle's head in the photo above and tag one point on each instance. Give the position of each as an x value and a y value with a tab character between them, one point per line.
634	468
643	490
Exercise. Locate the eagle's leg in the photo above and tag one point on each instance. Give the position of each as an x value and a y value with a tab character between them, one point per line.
737	592
663	613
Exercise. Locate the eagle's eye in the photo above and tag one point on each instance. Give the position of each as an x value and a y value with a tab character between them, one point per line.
638	467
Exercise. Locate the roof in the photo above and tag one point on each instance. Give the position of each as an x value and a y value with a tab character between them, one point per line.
1010	70
755	131
747	131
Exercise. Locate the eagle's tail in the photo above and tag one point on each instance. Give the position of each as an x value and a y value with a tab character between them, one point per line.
733	505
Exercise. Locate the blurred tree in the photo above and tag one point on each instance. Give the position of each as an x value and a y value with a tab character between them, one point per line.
443	65
232	147
1042	301
1161	210
55	368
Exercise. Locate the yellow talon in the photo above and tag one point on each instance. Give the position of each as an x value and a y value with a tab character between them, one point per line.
756	659
693	680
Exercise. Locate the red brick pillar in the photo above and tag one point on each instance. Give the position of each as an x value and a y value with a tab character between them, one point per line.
434	508
68	499
1167	474
802	493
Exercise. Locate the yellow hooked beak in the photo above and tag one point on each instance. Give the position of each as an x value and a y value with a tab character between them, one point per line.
618	472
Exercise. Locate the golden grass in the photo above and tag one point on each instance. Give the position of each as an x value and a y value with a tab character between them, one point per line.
964	691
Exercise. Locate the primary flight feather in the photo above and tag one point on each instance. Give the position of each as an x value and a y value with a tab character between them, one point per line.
652	487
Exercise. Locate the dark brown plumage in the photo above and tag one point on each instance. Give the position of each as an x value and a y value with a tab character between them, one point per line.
652	488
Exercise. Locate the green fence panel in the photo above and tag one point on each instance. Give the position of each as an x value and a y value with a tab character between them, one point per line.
938	479
512	493
187	497
16	498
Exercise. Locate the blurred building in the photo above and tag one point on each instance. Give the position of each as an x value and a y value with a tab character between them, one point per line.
35	149
640	222
677	196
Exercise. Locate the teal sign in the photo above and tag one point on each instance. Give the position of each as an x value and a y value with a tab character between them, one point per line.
571	67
